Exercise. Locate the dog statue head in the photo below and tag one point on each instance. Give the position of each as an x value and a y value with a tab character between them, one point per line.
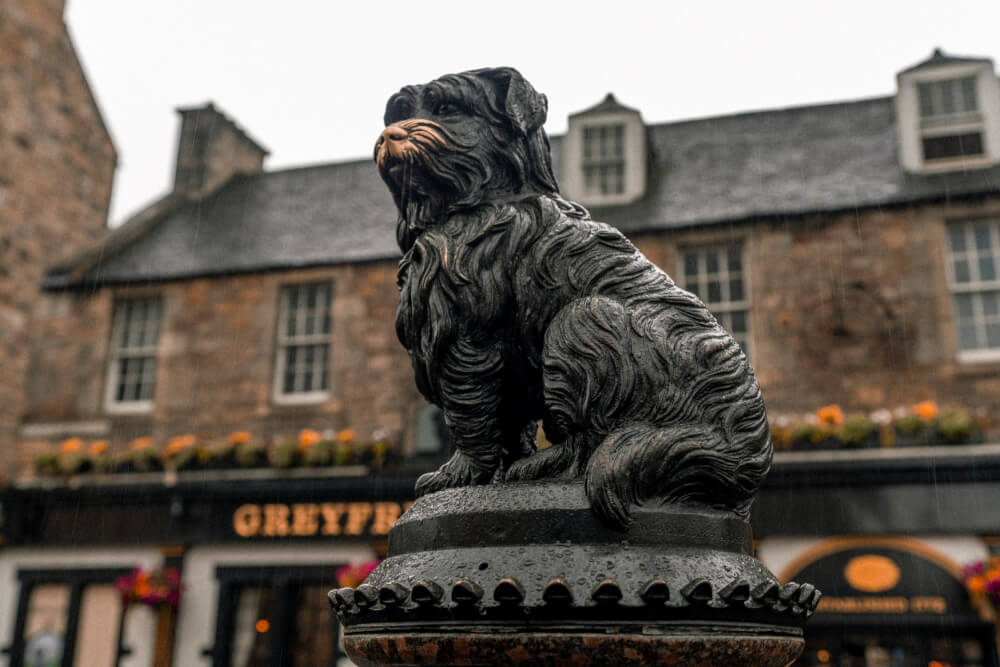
460	141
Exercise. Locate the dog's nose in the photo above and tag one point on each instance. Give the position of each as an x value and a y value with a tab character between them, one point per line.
394	133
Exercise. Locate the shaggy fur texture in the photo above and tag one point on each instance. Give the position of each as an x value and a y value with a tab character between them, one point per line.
515	306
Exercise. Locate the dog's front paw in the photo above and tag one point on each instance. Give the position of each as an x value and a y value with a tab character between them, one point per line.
460	470
556	462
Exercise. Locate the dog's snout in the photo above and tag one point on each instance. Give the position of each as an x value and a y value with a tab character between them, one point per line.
394	133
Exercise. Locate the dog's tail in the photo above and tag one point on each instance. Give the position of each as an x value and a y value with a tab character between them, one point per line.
681	463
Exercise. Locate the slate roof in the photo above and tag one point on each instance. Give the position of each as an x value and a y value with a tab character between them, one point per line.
733	168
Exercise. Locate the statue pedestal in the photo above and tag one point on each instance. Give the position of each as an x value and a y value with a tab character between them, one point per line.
525	573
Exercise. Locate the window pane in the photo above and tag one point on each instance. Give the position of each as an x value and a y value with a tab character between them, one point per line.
45	625
963	303
147	379
321	361
989	300
969	94
739	322
690	264
993	334
925	92
736	290
307	368
735	257
712	261
97	632
252	628
714	291
986	269
982	235
289	383
956	238
952	145
967	337
962	271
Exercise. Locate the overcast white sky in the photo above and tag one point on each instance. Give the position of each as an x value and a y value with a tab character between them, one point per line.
308	79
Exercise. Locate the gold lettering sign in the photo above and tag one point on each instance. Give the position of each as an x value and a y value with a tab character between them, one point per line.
883	605
246	520
312	519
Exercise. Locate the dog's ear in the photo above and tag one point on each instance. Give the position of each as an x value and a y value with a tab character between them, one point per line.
525	106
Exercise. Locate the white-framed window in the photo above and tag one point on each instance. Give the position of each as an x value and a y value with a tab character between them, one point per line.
973	266
717	275
135	331
302	369
947	98
949	119
604	159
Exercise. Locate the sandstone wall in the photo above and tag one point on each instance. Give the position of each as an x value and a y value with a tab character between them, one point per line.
55	178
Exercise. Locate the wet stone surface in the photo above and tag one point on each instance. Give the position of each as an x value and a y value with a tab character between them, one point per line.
486	574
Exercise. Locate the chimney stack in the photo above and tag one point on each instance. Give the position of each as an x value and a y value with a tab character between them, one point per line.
211	150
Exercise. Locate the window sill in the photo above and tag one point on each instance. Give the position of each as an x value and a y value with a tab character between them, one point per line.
956	164
972	357
137	408
301	399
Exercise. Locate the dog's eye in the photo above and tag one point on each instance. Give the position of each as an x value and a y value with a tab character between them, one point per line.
446	109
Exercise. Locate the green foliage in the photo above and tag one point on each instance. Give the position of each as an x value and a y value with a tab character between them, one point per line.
320	454
71	463
955	425
910	425
47	464
855	431
251	455
286	454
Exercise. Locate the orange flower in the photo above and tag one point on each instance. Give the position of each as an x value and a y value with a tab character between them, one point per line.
98	447
70	446
976	584
927	410
179	443
141	443
239	437
830	415
308	438
346	436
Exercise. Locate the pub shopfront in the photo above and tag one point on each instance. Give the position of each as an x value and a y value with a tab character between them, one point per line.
888	600
884	534
254	554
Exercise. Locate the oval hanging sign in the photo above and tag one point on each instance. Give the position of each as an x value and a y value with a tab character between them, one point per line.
871	573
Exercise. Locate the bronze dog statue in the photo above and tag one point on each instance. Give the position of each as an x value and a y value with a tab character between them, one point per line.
516	307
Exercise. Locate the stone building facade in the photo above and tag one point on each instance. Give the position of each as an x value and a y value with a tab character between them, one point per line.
852	248
55	177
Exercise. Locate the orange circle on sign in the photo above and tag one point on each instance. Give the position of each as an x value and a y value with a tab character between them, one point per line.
871	573
263	626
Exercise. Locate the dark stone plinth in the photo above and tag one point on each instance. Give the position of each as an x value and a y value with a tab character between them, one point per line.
527	573
686	646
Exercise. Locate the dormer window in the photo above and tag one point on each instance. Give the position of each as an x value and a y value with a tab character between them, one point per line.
948	110
604	155
943	104
604	159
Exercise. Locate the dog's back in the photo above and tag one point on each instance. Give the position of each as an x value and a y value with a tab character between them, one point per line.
650	396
